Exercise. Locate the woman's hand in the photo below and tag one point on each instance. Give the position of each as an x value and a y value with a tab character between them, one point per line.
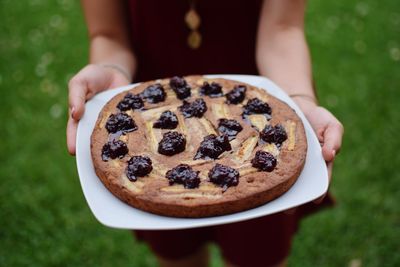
91	80
329	130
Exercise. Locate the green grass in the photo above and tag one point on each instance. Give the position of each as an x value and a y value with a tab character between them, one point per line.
44	218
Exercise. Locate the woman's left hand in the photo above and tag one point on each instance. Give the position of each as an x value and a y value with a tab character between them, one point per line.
327	127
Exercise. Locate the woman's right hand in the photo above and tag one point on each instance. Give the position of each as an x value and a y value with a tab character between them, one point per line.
89	81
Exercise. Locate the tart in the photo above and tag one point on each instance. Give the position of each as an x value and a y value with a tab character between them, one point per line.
197	147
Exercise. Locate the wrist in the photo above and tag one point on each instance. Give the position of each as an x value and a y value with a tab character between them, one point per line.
305	102
118	68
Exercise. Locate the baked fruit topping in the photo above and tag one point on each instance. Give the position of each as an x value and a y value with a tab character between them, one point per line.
180	87
264	161
120	122
130	101
194	109
212	89
256	106
172	143
185	175
196	146
167	120
236	95
224	176
271	134
154	93
138	166
114	149
212	146
229	128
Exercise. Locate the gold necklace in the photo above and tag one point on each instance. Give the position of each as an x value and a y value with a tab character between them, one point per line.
192	20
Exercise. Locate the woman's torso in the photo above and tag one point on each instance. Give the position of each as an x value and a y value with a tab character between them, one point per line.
159	35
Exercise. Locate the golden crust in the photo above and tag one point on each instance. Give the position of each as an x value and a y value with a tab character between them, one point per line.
153	193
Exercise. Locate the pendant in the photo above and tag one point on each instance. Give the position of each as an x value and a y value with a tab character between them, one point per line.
194	40
192	19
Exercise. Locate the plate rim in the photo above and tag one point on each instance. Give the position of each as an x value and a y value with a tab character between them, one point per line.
190	222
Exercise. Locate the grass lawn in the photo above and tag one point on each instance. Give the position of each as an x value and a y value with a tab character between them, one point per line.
44	219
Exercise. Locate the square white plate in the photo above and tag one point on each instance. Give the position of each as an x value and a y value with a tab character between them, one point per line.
110	211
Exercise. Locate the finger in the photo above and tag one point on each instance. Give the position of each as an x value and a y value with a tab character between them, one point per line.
329	166
320	135
332	140
77	97
72	126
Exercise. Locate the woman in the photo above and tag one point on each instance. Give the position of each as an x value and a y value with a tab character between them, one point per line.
144	40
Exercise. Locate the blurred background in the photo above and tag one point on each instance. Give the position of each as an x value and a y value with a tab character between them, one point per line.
44	218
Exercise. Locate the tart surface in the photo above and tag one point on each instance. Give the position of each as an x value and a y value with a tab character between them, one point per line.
239	147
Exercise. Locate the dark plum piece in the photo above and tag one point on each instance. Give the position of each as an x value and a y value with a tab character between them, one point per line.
229	128
120	122
167	120
268	133
180	87
138	166
154	93
280	134
194	109
223	176
114	149
172	143
272	134
211	89
185	175
264	161
256	106
130	101
236	95
212	146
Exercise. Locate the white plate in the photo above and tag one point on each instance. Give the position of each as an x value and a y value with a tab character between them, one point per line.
110	211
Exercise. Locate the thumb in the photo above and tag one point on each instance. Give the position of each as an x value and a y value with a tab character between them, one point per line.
332	140
77	97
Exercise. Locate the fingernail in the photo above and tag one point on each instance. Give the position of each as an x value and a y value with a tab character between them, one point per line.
72	112
333	153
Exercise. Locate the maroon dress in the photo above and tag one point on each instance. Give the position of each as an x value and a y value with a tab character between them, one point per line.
228	29
160	36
